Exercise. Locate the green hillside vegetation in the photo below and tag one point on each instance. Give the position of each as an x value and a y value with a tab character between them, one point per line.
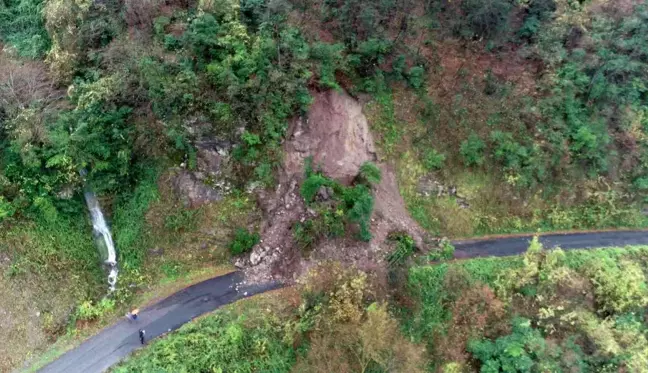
336	321
534	113
575	311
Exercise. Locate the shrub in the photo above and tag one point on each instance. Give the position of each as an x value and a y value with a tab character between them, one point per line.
433	160
524	350
404	248
22	26
312	185
369	55
305	234
618	288
354	203
445	251
358	206
329	223
472	150
221	342
6	209
331	59
243	241
484	18
369	174
89	311
374	345
416	77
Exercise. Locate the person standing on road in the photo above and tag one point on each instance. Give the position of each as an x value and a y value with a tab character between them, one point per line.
132	315
142	333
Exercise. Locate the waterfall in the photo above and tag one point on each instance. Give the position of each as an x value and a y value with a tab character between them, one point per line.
103	237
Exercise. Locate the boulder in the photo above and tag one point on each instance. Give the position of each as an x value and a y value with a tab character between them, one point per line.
257	255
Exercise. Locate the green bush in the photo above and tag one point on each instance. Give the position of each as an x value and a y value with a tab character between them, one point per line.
222	342
369	174
416	77
524	350
358	205
445	252
330	223
618	287
403	249
354	203
331	60
538	12
22	26
312	185
433	160
243	241
6	209
472	150
90	311
483	18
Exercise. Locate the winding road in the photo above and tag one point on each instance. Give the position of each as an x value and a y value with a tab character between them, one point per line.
114	343
512	245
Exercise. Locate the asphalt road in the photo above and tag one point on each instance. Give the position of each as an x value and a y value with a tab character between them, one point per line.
114	343
504	246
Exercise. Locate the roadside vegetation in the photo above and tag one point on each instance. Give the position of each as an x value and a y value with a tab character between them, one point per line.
500	116
546	310
337	320
575	311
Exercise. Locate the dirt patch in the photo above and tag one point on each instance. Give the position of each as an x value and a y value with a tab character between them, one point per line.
335	133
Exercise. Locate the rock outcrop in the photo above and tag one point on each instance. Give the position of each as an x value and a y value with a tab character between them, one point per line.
205	184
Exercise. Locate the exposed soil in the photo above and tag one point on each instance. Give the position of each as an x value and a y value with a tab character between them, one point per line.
335	133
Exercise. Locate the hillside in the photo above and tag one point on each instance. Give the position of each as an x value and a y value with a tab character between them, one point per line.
279	135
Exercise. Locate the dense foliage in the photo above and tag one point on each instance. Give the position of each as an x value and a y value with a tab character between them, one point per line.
501	115
337	205
333	325
547	310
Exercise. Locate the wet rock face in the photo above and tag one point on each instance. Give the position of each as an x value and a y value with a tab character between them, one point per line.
335	133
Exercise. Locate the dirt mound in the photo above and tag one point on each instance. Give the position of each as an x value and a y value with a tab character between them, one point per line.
336	134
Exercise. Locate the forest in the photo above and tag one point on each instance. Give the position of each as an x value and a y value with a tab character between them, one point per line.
497	117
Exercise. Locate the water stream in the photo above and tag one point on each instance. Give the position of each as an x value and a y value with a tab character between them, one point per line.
103	237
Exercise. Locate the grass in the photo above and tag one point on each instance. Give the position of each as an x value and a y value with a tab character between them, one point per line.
242	337
49	269
150	295
384	123
496	208
162	248
432	293
129	225
414	128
